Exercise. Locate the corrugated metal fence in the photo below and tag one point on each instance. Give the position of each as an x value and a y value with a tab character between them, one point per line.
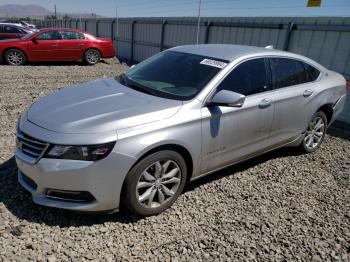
324	39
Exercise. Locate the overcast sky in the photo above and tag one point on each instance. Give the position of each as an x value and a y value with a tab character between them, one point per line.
127	8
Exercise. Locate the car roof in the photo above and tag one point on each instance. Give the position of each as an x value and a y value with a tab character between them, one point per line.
62	28
12	24
225	51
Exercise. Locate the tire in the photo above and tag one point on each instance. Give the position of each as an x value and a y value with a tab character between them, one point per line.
146	195
92	56
15	57
315	133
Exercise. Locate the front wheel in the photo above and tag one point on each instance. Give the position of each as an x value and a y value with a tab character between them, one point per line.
154	183
92	56
315	133
15	57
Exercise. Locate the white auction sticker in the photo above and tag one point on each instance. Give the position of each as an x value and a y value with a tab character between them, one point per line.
214	63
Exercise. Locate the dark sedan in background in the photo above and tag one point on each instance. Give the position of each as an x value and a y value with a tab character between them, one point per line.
56	44
9	31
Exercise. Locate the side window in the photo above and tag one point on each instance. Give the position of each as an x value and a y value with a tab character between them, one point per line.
11	30
1	29
287	72
247	78
49	35
311	73
69	35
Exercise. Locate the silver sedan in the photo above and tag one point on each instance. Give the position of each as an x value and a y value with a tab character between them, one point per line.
136	139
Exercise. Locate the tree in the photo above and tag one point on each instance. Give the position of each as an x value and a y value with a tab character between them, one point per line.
50	17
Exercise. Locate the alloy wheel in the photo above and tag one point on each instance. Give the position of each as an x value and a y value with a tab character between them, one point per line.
93	56
314	133
15	57
158	183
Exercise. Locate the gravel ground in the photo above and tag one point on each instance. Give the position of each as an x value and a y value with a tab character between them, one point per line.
280	206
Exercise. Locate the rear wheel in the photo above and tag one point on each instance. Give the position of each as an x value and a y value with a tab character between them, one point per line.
154	183
315	133
15	57
92	56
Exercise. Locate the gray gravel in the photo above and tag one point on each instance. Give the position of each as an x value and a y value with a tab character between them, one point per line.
280	206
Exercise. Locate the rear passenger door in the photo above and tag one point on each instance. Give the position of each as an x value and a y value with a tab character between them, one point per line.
72	45
293	89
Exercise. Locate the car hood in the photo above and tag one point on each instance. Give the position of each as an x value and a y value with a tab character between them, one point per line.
11	40
100	106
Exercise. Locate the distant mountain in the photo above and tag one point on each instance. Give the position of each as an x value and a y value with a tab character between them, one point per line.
23	11
34	11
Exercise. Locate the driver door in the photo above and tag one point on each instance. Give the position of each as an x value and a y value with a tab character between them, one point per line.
231	134
45	47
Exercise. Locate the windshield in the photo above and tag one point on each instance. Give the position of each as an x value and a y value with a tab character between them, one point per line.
27	35
173	75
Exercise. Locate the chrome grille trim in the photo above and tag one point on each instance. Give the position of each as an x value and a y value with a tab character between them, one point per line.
31	147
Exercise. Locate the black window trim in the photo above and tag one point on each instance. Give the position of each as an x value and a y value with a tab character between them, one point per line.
296	59
212	92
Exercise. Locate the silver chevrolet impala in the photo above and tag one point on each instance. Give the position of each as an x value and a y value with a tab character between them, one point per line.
136	139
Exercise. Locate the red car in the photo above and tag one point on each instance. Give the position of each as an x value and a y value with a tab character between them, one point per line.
56	44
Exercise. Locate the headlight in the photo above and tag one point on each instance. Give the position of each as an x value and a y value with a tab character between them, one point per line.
86	153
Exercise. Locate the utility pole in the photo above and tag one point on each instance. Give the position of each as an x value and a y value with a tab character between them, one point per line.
117	20
199	20
55	12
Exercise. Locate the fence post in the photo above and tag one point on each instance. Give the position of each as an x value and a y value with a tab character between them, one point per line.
112	30
132	41
290	28
162	35
85	25
207	31
97	21
113	38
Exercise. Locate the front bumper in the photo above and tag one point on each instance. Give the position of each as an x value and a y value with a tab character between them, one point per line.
103	179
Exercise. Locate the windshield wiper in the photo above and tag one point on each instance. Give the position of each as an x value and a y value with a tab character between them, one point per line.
124	80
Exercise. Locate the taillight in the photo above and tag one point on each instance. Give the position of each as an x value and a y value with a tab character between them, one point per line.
347	86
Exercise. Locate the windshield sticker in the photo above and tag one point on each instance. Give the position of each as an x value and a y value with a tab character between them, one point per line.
214	63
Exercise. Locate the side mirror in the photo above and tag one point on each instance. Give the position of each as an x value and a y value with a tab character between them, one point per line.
34	39
227	98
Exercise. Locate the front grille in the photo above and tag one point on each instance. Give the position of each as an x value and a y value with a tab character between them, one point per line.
31	146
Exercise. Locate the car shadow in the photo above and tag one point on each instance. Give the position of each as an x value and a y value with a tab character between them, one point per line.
19	203
233	169
340	130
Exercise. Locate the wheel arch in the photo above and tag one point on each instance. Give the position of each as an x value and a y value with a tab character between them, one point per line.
14	47
327	109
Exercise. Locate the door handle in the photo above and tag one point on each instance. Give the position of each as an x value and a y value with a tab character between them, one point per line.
54	45
81	44
266	102
308	93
